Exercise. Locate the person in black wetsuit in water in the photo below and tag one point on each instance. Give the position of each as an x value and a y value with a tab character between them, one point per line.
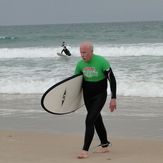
65	50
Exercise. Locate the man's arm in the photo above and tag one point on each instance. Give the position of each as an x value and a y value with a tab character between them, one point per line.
62	51
112	81
113	85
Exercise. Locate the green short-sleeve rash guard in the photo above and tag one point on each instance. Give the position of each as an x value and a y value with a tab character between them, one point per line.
93	70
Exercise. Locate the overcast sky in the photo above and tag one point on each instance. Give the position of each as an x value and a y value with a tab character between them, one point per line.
25	12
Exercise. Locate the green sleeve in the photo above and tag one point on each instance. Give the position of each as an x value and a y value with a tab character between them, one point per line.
77	70
106	65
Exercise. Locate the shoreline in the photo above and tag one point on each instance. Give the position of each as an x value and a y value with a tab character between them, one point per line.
135	117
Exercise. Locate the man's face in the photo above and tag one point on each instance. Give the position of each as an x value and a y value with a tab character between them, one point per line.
86	53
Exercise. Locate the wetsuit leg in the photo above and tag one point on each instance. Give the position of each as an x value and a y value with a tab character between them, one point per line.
101	131
94	105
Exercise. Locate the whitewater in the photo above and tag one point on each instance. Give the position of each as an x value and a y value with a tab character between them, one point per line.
142	49
138	68
29	64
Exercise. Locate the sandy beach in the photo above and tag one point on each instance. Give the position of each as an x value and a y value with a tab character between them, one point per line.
23	147
29	134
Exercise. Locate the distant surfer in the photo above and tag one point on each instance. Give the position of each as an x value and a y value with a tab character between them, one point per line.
65	50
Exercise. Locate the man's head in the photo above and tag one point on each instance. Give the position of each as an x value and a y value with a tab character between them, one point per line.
86	51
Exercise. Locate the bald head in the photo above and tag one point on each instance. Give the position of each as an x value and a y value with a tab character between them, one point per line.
86	51
87	45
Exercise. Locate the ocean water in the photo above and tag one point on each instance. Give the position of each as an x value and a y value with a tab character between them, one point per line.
29	64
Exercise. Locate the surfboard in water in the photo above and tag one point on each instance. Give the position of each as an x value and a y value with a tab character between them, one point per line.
63	55
64	97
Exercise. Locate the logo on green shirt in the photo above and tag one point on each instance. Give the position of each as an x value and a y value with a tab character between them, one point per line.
90	72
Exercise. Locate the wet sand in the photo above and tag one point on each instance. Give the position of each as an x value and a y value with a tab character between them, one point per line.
29	134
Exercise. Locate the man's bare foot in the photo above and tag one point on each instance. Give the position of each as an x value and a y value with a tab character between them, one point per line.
83	154
102	150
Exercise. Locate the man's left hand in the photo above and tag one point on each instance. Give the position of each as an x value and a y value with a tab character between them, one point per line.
112	105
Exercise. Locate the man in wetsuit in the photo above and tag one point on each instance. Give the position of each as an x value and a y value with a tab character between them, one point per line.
96	70
65	50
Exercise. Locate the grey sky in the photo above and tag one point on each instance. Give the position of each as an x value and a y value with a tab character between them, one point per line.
19	12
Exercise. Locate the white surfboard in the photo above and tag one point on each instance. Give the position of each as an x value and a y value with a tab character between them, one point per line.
64	97
63	55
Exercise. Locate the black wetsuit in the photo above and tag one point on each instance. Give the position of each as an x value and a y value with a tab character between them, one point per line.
95	95
95	74
66	51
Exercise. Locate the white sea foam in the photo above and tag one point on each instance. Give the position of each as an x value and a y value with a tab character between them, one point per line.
125	88
140	88
29	75
106	50
132	50
26	86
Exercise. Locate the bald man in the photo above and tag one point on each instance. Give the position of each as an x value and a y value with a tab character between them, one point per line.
96	70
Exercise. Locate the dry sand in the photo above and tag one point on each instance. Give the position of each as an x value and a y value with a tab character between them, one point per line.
23	147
